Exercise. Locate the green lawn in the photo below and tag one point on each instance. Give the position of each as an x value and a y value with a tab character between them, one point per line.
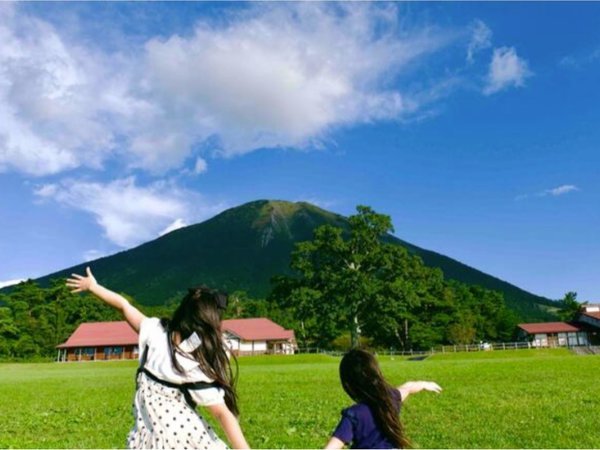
501	399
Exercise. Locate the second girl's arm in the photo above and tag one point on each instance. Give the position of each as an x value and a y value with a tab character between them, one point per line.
334	444
131	314
230	425
412	387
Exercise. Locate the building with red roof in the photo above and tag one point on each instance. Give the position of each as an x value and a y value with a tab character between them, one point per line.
258	336
584	330
100	341
590	315
97	341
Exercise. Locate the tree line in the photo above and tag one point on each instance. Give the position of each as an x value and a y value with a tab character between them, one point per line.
34	320
348	288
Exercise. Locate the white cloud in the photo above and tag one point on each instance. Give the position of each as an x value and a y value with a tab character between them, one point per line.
47	190
280	75
55	99
4	284
284	76
554	192
200	166
561	190
506	69
577	61
130	214
481	39
176	225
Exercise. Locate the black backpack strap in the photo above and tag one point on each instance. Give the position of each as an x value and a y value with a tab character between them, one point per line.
184	387
141	367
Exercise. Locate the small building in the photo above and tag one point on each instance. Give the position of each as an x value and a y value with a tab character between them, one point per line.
589	318
584	330
590	314
98	341
258	336
554	334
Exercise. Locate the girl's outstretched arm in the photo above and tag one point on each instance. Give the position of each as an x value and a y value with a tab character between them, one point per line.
230	425
334	444
80	283
412	387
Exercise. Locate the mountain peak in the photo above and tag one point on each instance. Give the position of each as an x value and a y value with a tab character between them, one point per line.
242	248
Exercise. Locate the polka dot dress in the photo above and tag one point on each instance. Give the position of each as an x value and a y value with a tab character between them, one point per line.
165	420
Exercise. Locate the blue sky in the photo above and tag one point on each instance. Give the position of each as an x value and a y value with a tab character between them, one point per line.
473	125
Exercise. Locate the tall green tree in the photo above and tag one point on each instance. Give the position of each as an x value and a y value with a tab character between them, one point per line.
351	282
346	277
570	307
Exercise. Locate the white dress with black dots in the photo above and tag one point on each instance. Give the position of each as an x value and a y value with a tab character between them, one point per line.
163	418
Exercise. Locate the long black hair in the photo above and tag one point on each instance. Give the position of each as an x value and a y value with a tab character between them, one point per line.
200	312
363	381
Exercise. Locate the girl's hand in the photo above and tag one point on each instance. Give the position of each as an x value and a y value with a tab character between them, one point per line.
131	314
431	386
79	283
412	387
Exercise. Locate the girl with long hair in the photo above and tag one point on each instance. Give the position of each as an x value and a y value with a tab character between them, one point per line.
184	363
373	422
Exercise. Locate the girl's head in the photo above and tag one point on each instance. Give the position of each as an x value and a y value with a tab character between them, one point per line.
200	312
363	381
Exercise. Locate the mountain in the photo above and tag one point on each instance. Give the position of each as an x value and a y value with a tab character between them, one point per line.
243	247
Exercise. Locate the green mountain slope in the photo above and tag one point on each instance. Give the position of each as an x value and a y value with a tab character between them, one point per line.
243	247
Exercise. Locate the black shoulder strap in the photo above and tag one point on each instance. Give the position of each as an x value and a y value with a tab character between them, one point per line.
141	367
144	356
184	388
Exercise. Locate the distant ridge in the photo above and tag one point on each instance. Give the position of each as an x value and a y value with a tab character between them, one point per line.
243	247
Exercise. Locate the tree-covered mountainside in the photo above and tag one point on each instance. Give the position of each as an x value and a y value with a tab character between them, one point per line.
242	248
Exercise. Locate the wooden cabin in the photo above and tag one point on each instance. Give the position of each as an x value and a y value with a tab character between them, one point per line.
554	334
258	336
584	330
100	341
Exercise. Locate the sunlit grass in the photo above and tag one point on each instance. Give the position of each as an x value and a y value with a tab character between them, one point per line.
501	399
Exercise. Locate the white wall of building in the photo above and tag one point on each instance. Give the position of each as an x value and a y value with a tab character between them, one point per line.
237	345
564	339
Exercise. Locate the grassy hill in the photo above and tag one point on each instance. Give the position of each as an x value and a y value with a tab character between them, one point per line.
243	247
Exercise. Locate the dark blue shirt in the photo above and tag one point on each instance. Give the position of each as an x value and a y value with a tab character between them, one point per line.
358	426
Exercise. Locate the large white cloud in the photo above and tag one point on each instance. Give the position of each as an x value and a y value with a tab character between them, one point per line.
57	99
284	77
272	76
506	70
130	214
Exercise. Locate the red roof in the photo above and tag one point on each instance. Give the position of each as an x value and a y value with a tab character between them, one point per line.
548	327
98	334
259	329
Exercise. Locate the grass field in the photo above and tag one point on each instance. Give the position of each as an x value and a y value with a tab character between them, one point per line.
502	399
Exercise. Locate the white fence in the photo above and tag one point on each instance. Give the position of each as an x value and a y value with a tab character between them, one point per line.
483	347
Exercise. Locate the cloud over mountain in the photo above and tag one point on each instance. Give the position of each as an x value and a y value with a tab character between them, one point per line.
276	76
128	213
